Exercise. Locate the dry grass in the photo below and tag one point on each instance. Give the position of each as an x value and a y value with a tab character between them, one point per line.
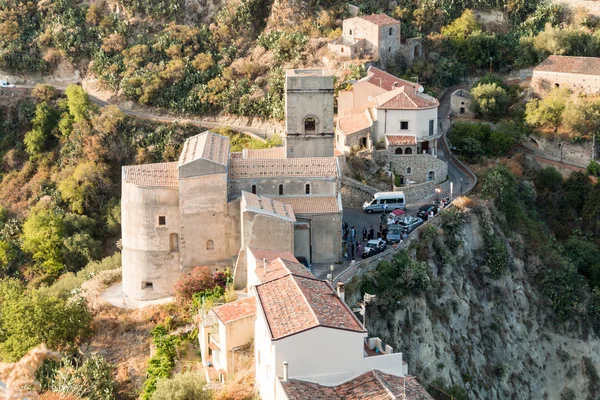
240	386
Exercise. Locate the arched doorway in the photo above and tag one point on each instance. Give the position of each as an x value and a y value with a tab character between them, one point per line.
417	51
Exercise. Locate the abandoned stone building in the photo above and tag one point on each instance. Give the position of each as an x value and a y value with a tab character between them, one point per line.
461	103
376	35
382	110
579	74
206	208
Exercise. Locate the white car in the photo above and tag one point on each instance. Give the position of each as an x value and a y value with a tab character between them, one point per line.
6	84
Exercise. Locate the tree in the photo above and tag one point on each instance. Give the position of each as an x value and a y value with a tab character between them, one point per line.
548	111
490	99
30	318
582	117
78	101
184	386
44	92
490	78
44	122
43	233
461	27
87	188
198	280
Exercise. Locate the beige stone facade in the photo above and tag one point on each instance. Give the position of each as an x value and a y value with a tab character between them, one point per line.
579	74
376	35
461	103
208	207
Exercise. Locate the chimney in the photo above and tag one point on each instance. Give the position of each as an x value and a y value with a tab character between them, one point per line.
341	291
285	371
265	266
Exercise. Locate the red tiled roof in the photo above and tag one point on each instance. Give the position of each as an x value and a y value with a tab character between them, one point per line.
570	65
401	94
270	255
152	175
355	123
372	385
236	310
312	204
401	140
279	268
259	254
317	167
294	303
379	19
263	204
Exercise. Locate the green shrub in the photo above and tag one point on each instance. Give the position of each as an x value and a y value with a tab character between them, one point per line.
593	168
162	363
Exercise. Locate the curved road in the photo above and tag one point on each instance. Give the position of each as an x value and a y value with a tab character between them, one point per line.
262	133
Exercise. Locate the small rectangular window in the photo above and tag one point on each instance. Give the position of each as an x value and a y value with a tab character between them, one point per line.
431	126
403	125
147	285
162	220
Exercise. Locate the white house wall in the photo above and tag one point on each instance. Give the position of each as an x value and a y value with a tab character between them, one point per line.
388	122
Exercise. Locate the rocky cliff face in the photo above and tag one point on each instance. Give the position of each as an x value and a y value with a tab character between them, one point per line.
497	333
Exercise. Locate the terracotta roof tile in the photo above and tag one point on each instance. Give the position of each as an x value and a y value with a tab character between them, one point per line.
259	254
379	19
236	310
152	175
208	146
312	204
273	152
571	65
401	140
266	205
315	167
355	123
294	303
405	97
278	268
372	385
384	80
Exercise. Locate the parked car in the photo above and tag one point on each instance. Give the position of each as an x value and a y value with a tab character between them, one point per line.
6	84
409	224
425	210
394	234
373	247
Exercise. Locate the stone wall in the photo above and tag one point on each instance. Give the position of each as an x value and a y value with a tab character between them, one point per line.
416	192
462	100
421	166
578	154
543	82
291	186
411	49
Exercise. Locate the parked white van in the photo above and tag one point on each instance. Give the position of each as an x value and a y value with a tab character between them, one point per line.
394	201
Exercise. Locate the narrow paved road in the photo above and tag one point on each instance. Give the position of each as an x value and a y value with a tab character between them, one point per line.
182	120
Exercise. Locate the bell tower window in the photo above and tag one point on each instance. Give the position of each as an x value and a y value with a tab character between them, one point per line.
310	125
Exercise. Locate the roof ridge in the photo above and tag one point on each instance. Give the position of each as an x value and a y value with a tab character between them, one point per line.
306	302
384	384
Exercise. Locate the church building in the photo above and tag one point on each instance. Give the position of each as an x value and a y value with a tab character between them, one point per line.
206	208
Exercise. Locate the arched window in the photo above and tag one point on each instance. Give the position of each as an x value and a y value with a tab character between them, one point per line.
281	190
310	125
350	33
431	176
391	31
210	245
408	150
253	189
307	188
417	52
408	170
174	240
398	150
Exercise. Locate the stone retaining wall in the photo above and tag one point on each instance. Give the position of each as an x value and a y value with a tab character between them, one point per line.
420	166
416	192
578	154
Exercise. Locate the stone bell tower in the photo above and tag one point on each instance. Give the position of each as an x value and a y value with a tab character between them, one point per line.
309	113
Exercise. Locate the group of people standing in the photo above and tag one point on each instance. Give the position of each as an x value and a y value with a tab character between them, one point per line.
351	236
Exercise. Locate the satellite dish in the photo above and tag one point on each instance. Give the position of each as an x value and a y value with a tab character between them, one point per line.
370	98
420	89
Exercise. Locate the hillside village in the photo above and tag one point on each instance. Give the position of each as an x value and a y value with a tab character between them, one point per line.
294	200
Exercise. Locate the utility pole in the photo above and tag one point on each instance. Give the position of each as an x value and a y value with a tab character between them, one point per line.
593	146
491	69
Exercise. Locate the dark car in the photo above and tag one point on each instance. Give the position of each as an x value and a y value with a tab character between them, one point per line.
426	209
373	247
409	224
394	234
